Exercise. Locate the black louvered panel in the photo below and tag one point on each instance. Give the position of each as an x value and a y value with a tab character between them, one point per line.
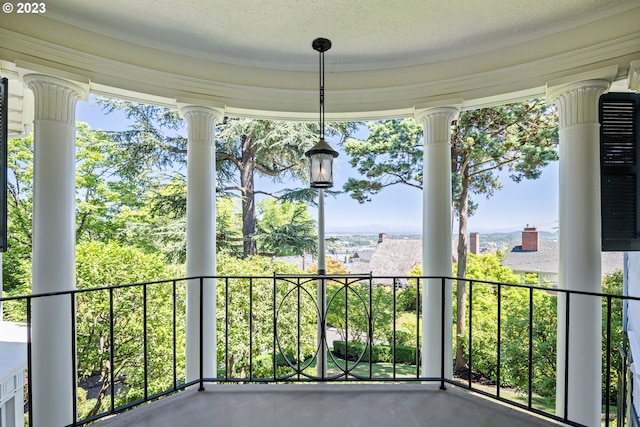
619	172
619	210
617	132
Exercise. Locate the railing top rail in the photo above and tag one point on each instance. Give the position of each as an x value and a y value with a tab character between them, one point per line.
336	277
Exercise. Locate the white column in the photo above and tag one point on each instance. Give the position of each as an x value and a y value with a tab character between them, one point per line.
201	238
436	239
580	250
53	377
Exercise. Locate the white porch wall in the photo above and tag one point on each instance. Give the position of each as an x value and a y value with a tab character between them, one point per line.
632	288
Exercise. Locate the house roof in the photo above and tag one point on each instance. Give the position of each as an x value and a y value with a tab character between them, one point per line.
545	259
363	255
391	257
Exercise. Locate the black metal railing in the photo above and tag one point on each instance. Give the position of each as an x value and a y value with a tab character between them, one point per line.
131	339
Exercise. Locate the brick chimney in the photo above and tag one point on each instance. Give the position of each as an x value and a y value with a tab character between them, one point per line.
530	239
474	243
381	237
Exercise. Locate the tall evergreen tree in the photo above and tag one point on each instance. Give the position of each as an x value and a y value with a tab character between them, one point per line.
244	148
519	137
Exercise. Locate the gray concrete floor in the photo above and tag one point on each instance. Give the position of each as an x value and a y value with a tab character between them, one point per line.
315	405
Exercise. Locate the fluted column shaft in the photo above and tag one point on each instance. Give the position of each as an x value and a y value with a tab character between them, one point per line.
436	239
201	238
580	250
53	375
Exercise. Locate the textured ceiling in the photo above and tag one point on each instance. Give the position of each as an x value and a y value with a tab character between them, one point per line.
366	34
254	57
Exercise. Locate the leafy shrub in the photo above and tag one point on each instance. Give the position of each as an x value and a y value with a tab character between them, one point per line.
378	353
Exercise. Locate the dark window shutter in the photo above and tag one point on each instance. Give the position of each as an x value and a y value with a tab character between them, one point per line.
619	171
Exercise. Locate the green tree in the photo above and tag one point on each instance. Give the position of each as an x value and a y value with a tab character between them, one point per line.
248	331
103	200
105	264
228	226
153	148
613	284
244	148
408	298
515	324
19	215
273	149
285	228
101	194
519	137
333	268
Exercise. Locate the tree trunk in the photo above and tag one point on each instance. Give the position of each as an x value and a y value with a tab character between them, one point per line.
248	197
462	271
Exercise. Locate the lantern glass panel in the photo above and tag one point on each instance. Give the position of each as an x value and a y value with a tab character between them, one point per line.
321	170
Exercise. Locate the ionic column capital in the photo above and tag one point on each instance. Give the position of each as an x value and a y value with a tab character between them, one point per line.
633	80
55	98
201	122
436	123
578	102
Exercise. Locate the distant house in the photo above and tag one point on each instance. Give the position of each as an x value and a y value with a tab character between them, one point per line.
301	261
363	255
391	257
530	255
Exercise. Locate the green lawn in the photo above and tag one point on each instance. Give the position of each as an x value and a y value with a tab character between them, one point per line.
377	370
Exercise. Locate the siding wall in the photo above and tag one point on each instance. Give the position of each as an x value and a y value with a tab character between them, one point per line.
632	288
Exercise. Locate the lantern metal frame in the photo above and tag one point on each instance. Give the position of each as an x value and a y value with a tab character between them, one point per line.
322	154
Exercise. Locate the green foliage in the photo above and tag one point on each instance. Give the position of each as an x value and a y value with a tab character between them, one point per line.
351	306
613	285
408	299
355	351
152	145
249	327
489	267
19	215
514	339
521	137
263	365
106	264
332	266
407	332
101	193
514	335
228	226
273	149
390	155
285	228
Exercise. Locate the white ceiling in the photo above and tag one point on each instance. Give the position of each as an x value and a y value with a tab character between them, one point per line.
255	57
366	34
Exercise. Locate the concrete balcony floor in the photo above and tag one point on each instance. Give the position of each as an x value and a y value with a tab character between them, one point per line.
314	405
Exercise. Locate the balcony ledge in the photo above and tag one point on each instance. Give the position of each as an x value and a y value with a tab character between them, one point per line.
312	405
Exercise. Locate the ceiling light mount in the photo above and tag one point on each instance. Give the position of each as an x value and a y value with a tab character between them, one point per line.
321	45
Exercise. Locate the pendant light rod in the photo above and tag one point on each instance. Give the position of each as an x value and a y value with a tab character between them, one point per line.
321	155
321	45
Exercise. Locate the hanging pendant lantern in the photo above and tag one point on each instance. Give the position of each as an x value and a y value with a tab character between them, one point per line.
322	154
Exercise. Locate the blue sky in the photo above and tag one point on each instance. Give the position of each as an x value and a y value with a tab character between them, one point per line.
399	208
